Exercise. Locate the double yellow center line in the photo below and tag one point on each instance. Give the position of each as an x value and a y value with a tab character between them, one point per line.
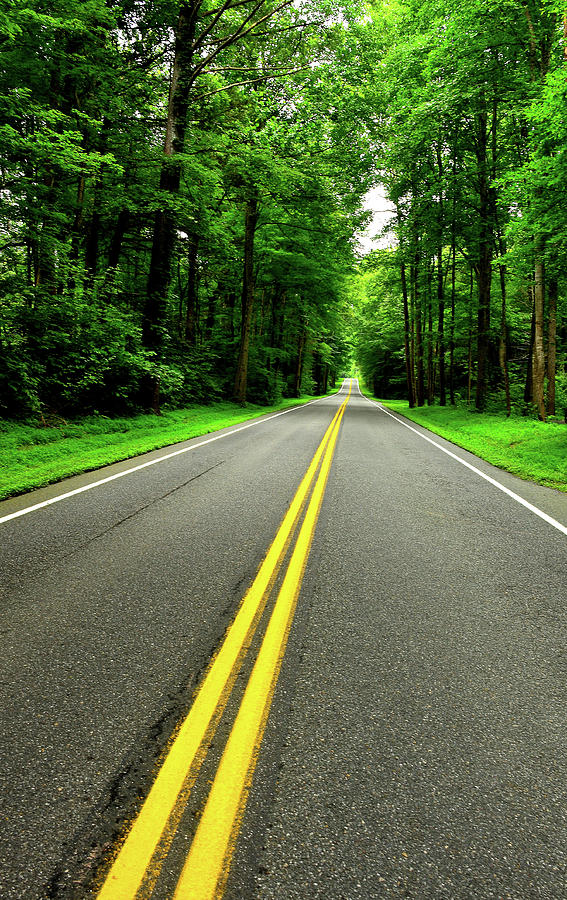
204	874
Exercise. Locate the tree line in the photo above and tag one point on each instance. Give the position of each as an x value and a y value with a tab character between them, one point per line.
181	185
470	303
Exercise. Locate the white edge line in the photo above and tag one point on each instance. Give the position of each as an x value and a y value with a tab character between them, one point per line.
530	506
153	462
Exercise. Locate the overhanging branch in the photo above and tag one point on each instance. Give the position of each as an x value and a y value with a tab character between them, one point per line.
258	80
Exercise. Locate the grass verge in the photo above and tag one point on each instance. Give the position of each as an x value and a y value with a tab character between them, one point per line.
33	455
532	450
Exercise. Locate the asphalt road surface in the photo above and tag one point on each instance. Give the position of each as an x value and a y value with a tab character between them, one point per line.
407	717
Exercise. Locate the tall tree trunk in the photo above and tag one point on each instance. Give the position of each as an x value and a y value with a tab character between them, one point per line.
528	390
241	377
484	281
31	253
441	328
211	313
299	364
158	279
262	312
278	318
440	282
164	230
453	292
118	235
230	305
317	371
503	346
484	260
76	229
191	306
430	342
420	381
470	352
538	353
541	42
407	353
552	291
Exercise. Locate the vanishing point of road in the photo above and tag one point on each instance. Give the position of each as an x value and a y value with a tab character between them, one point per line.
319	655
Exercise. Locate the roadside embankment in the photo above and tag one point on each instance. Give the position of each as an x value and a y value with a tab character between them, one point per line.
33	455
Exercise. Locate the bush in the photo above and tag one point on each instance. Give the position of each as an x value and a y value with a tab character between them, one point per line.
19	386
77	357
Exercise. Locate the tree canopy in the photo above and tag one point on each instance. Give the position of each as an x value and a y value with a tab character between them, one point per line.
181	187
183	184
472	157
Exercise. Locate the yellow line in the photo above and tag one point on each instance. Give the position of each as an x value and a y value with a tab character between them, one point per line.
153	825
206	868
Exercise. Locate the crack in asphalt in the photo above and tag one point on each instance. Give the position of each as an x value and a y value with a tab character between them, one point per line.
140	509
54	561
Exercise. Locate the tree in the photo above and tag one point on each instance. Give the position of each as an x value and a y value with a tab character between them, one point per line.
460	89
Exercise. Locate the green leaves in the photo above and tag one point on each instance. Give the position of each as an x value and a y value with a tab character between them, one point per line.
284	113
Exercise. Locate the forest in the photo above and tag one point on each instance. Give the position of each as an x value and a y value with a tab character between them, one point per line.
183	190
469	303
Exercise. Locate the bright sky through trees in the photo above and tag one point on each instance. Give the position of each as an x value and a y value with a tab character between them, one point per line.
382	211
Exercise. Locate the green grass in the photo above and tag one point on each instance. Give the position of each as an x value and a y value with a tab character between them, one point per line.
533	450
33	455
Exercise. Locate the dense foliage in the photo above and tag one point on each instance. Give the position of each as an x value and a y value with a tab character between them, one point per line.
181	184
471	301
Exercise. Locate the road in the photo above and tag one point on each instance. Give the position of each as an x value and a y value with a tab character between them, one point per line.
392	722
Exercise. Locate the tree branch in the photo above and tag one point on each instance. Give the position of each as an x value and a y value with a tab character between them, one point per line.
241	32
241	69
287	28
251	81
222	9
226	6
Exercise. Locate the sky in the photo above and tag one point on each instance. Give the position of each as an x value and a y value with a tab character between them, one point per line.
382	210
